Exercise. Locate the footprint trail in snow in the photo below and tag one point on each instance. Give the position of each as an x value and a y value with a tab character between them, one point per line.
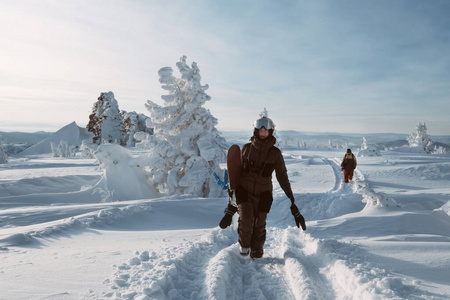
295	265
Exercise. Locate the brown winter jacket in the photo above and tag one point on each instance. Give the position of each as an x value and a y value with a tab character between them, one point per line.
349	161
259	159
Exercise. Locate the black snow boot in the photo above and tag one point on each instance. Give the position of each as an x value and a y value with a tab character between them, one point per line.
256	253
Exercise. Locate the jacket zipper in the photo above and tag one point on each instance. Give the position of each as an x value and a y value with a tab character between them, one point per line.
256	177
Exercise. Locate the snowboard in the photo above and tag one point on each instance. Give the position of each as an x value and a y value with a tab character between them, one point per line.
234	172
234	165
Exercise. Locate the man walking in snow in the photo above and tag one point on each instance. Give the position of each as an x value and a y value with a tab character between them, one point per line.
348	165
254	192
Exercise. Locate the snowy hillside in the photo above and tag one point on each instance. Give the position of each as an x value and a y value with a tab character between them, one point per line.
71	133
386	235
24	137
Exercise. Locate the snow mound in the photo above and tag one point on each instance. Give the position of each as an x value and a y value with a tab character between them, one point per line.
124	176
71	133
371	150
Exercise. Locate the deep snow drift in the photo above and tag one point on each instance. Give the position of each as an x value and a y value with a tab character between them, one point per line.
384	235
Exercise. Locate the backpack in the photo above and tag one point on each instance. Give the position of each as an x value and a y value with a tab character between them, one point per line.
349	161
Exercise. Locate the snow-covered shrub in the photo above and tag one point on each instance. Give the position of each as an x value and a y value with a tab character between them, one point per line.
106	121
186	145
3	156
87	149
62	149
364	144
368	149
420	139
302	145
55	150
331	145
371	150
440	150
73	150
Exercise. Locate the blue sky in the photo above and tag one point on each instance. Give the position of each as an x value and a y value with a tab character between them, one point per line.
323	66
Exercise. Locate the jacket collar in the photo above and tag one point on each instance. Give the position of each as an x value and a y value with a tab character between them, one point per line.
263	144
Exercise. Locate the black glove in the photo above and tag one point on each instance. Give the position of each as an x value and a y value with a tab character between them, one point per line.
229	212
299	220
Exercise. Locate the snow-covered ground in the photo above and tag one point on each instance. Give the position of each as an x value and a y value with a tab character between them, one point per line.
385	235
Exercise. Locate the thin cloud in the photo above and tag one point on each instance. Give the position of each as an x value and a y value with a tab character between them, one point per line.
305	58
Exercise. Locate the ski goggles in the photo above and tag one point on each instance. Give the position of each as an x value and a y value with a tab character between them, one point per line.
264	122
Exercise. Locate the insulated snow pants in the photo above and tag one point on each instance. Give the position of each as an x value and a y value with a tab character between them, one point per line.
348	174
252	225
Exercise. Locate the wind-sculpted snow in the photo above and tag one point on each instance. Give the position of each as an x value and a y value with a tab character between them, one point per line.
61	220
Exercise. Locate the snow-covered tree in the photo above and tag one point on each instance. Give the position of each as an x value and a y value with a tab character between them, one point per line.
63	149
187	145
364	144
106	121
87	149
440	150
3	156
54	148
134	123
420	139
302	145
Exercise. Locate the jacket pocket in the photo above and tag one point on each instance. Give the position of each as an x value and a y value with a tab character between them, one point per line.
265	201
241	195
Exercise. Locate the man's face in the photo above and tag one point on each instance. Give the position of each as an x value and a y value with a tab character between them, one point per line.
263	133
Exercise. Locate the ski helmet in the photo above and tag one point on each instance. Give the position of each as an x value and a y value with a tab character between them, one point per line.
264	122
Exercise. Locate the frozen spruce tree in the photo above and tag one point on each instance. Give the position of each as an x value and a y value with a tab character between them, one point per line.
106	121
420	139
187	148
364	144
135	123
